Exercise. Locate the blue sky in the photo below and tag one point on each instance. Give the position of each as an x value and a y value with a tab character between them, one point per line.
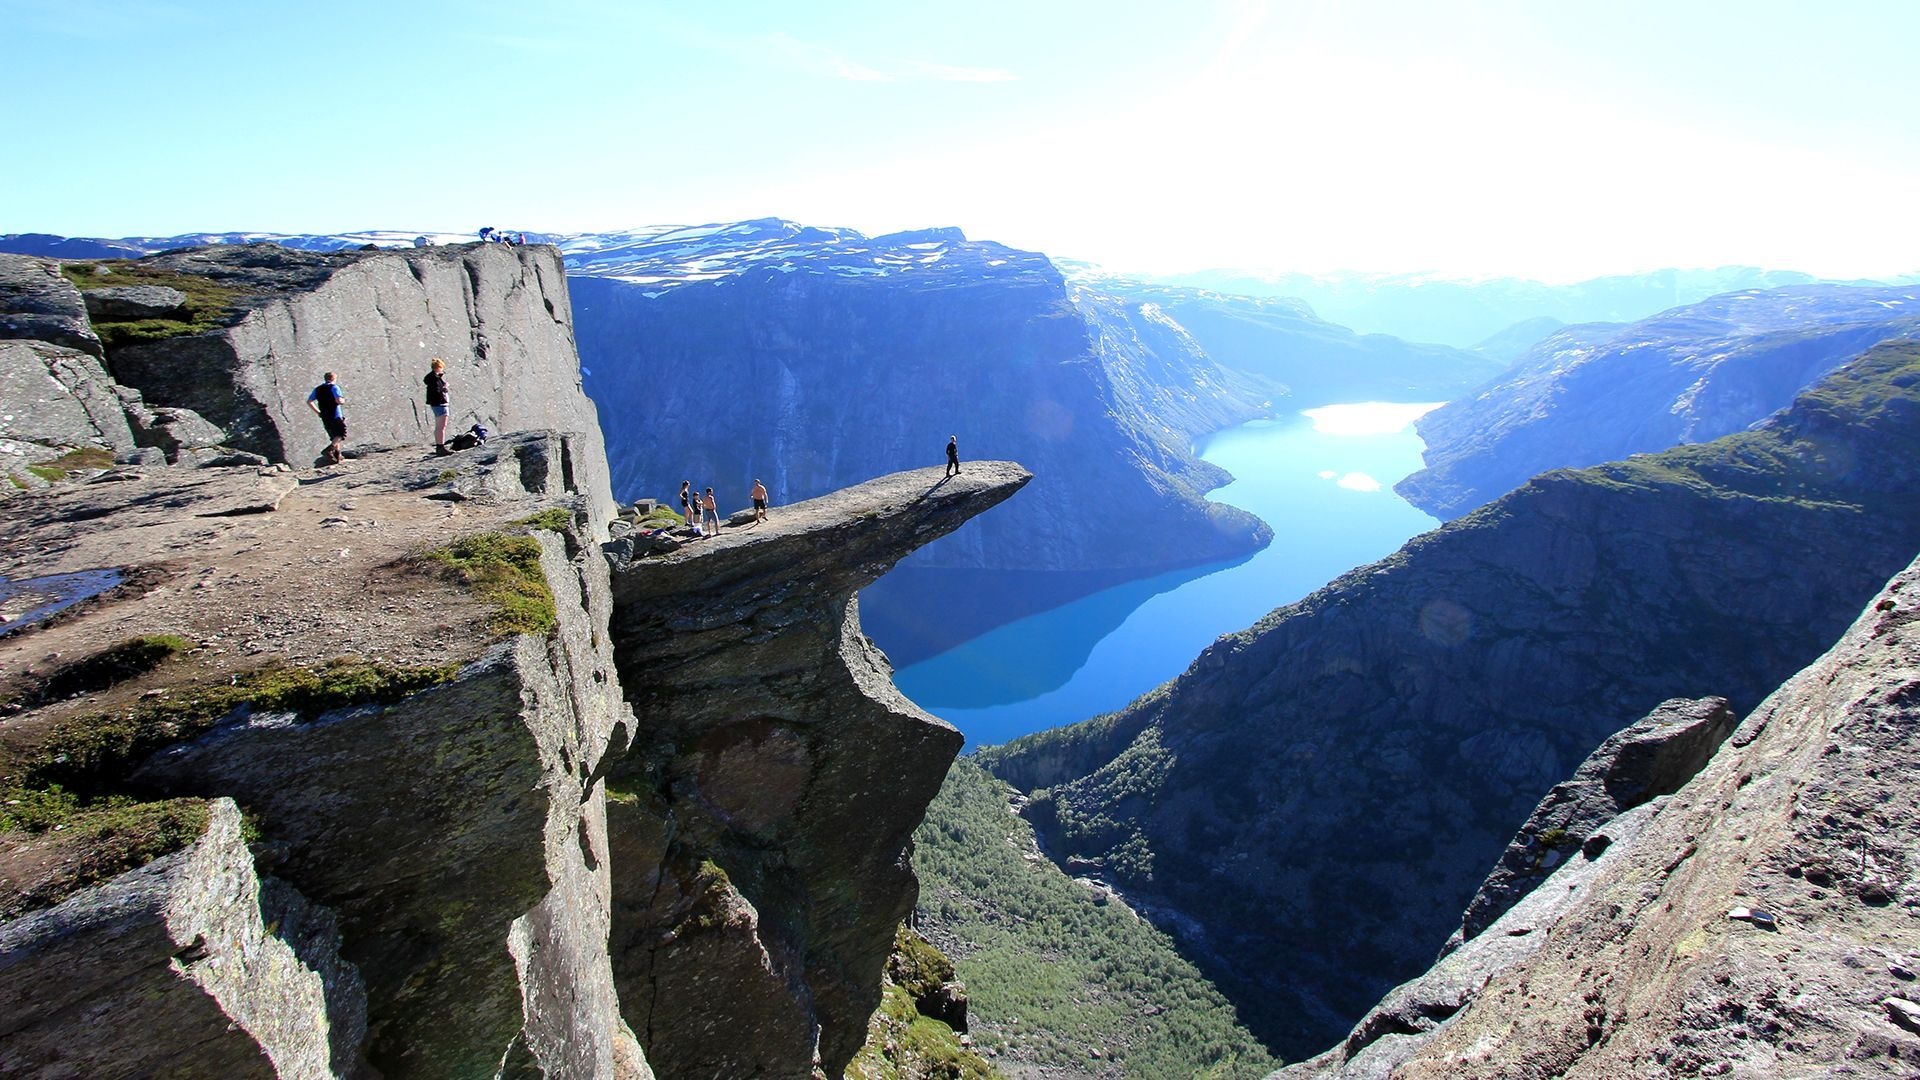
1549	139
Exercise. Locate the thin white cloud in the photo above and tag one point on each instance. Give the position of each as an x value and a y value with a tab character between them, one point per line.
951	73
815	59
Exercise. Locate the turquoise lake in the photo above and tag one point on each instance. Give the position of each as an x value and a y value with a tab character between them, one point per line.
1323	479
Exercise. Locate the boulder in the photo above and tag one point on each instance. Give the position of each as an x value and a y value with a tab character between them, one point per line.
59	397
193	965
37	303
124	303
172	429
498	315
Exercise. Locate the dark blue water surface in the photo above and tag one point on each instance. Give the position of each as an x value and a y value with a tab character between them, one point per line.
1324	481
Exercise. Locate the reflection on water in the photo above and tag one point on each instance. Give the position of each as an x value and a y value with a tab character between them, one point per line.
1324	481
29	600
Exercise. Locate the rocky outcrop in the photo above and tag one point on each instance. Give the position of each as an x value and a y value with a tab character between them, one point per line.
193	965
1805	817
1653	757
57	399
455	835
1326	790
1595	393
498	316
767	807
36	303
130	302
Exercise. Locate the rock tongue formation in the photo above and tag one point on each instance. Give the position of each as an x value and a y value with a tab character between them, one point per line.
779	775
503	872
1326	790
1650	961
403	672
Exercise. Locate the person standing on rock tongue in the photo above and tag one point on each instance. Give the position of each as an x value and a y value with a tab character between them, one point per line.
437	401
953	455
759	501
689	504
329	404
709	513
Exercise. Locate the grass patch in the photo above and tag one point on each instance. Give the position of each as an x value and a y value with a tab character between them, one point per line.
1052	972
904	1045
101	842
660	518
554	519
89	753
504	571
85	459
110	666
210	305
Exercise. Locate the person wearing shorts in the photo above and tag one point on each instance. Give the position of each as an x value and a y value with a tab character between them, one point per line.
759	502
709	514
437	401
329	404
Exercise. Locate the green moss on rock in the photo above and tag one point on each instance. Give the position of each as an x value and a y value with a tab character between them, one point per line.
553	519
86	459
210	305
504	570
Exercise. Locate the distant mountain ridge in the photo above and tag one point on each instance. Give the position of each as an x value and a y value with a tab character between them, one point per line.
1600	392
1465	312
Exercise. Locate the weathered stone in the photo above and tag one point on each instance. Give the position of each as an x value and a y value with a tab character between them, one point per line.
1409	1015
1643	966
497	314
192	966
776	745
122	303
37	303
460	835
59	397
1652	757
172	429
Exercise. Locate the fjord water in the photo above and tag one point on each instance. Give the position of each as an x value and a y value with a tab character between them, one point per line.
1322	478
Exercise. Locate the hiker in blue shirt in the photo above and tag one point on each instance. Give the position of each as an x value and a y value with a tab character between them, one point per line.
329	404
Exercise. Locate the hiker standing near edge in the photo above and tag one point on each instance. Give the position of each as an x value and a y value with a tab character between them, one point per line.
953	456
328	403
687	505
709	511
437	401
759	501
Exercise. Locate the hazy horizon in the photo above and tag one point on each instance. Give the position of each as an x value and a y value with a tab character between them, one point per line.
1493	139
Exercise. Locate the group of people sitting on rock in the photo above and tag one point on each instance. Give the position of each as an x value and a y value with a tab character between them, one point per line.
702	510
491	235
329	402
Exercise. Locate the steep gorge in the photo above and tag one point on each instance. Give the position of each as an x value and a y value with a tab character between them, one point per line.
1326	789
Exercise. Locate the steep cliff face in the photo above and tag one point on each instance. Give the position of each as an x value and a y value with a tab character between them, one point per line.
1325	790
497	315
1589	394
776	781
834	359
467	856
1758	922
423	794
